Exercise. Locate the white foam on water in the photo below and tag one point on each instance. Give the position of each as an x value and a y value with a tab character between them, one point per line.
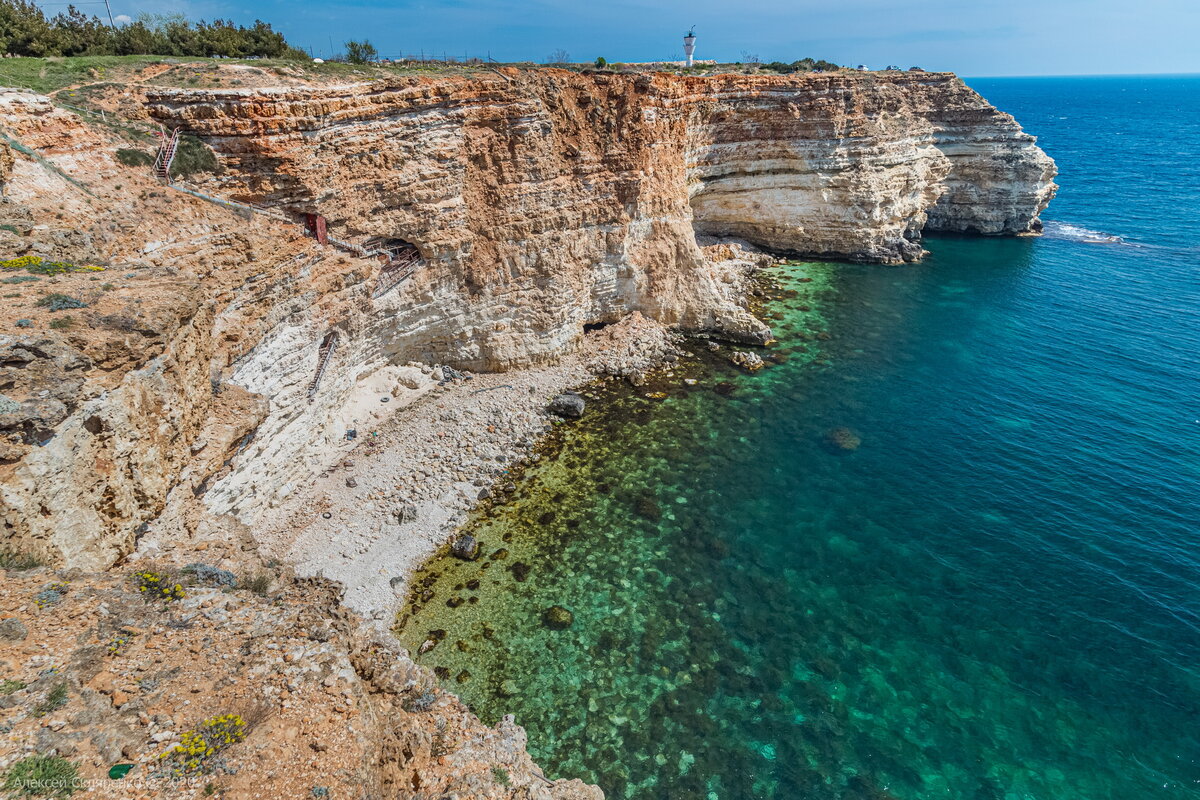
1078	233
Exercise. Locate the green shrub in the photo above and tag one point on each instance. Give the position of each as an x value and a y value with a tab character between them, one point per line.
21	279
8	686
56	698
193	156
40	266
259	584
11	559
62	323
57	301
500	776
42	776
134	158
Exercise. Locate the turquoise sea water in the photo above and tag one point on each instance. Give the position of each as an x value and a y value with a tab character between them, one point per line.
996	595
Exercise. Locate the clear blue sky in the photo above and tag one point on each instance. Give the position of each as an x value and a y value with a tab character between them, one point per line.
971	37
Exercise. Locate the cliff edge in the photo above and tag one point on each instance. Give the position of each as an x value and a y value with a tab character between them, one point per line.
185	370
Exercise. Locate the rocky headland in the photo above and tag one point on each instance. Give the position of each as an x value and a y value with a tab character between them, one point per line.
214	387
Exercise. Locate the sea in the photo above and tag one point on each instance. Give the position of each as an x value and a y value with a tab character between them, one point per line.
945	545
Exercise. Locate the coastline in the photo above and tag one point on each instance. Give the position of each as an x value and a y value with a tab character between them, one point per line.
409	485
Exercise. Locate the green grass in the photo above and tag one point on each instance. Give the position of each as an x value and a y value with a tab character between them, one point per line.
56	698
8	686
134	158
193	156
50	74
41	775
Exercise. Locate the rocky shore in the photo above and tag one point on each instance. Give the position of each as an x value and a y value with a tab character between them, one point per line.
224	444
400	490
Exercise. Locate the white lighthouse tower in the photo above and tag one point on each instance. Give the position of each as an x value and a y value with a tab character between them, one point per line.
689	44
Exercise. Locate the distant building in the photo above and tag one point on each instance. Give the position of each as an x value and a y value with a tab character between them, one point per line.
915	69
863	68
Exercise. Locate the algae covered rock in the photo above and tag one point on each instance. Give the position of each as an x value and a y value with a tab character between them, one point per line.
841	440
557	618
465	547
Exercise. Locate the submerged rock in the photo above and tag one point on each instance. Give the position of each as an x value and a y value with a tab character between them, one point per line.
842	440
747	361
647	507
567	405
520	570
465	547
557	618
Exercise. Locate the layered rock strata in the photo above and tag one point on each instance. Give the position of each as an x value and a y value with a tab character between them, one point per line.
600	174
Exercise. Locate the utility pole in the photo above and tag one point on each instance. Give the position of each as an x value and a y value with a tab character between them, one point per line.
111	24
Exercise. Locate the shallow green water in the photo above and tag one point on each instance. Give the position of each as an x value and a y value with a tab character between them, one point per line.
993	596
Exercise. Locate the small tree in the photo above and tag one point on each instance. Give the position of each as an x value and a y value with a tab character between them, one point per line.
601	62
361	52
559	56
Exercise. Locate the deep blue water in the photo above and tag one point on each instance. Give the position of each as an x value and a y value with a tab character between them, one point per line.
994	595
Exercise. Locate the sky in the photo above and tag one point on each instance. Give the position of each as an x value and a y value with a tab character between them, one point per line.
971	37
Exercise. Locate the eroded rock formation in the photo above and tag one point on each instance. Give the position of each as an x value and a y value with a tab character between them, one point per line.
555	171
221	359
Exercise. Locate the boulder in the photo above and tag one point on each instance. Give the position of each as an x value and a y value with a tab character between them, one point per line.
747	361
465	547
557	618
841	440
567	405
13	630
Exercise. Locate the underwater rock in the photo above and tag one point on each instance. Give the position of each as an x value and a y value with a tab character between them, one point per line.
557	618
747	361
842	440
520	570
724	388
465	547
508	688
647	507
567	405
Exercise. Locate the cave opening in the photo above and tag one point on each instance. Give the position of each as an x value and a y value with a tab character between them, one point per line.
398	260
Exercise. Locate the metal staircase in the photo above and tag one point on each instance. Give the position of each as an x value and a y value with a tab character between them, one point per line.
399	269
324	355
166	154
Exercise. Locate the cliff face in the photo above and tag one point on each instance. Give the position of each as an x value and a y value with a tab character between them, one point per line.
540	202
555	173
181	402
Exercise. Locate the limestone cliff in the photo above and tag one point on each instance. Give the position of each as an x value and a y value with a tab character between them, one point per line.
219	359
550	171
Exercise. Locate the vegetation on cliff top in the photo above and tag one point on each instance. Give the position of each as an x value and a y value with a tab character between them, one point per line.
26	31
